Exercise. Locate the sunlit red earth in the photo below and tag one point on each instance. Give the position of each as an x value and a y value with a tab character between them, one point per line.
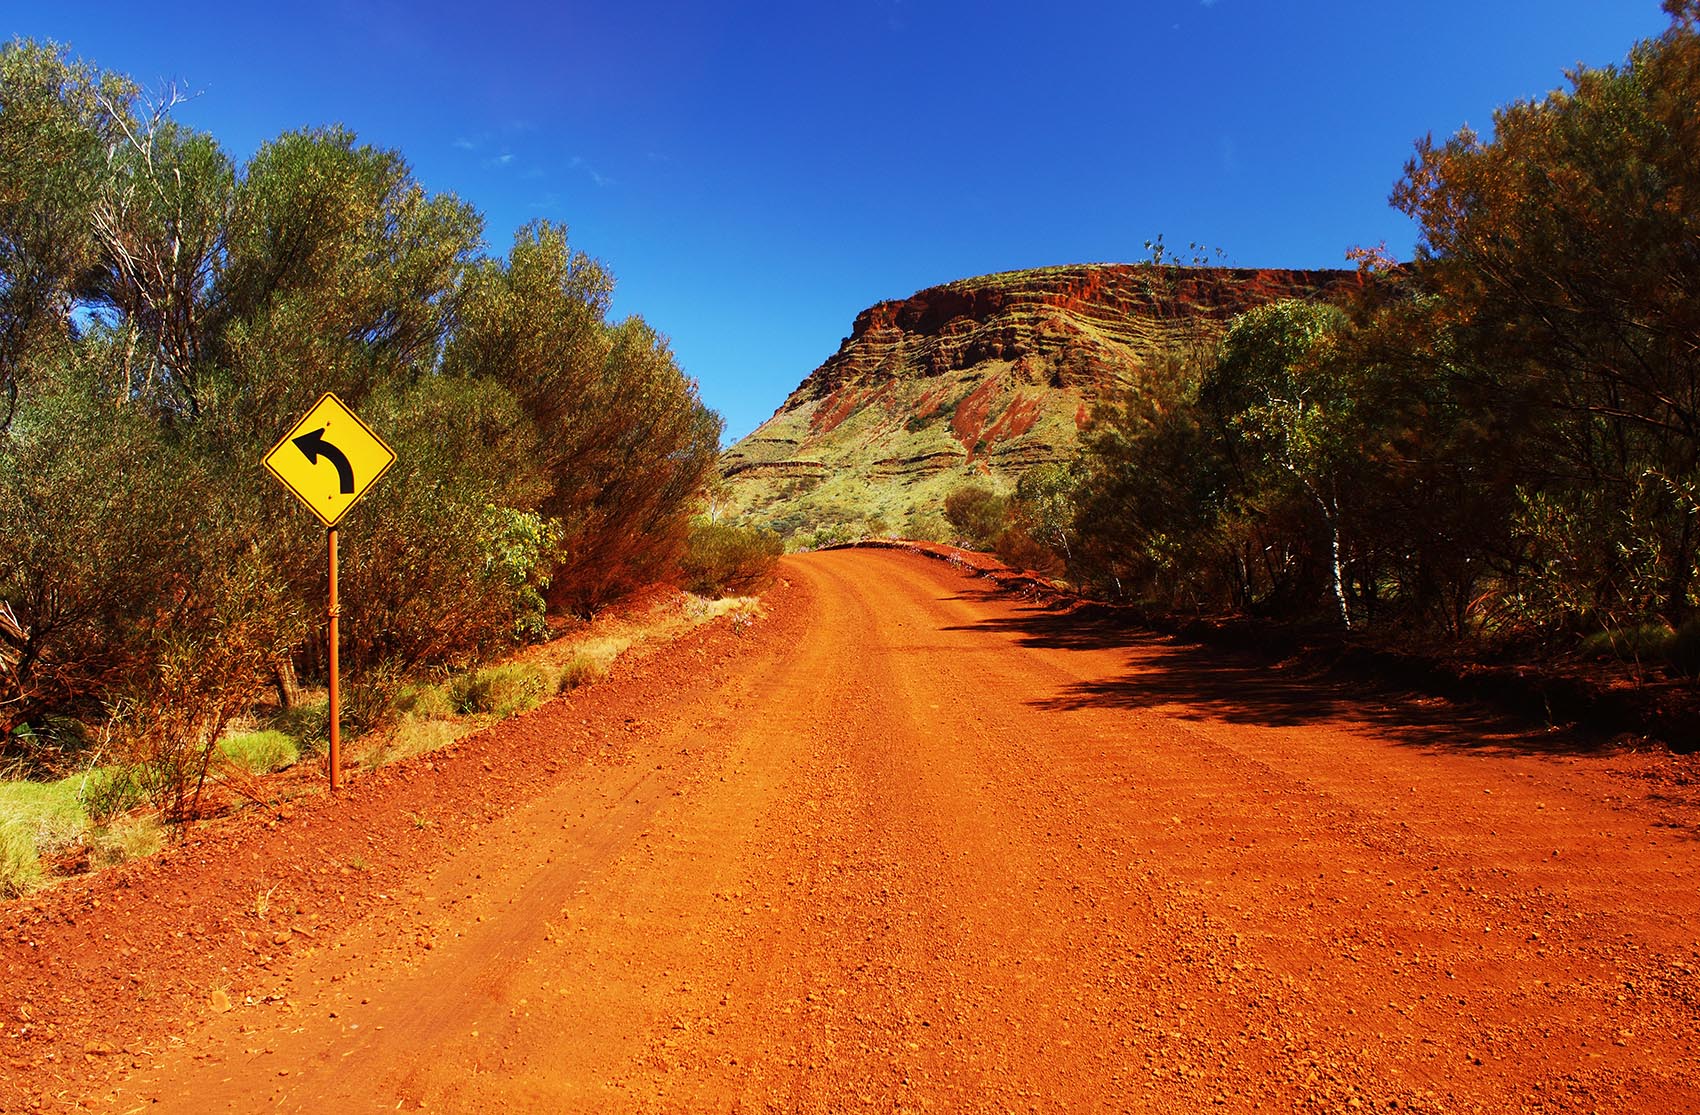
906	843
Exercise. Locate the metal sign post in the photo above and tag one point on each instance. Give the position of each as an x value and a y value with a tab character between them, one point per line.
332	614
330	434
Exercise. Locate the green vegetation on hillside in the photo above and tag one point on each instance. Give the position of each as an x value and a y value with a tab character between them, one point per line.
977	382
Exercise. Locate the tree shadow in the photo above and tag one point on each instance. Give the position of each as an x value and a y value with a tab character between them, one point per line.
1237	680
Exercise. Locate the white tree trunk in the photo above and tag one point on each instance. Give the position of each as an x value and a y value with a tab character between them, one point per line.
1330	506
1339	565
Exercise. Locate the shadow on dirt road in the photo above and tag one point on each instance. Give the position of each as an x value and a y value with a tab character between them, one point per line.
1198	681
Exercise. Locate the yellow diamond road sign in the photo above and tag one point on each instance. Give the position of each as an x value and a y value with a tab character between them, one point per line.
330	459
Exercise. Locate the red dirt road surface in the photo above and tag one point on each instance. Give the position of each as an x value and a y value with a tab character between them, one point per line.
904	845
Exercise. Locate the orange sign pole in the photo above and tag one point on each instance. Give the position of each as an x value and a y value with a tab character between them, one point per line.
334	613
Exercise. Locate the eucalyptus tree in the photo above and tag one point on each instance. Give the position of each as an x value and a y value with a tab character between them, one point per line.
624	442
58	119
1562	254
1288	415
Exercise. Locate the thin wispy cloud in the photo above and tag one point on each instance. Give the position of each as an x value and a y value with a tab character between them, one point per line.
578	163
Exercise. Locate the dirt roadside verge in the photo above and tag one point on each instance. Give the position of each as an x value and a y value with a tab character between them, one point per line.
99	972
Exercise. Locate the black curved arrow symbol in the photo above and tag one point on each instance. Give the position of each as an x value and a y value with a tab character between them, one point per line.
314	444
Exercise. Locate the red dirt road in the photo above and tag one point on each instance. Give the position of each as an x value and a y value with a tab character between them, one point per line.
907	845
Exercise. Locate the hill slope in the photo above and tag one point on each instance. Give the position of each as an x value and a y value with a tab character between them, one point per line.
980	378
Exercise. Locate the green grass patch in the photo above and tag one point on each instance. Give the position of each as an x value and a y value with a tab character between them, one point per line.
125	838
1647	643
20	864
50	814
498	691
39	819
261	752
425	701
1650	644
723	559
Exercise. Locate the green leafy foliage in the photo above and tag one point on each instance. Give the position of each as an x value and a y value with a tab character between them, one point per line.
624	445
1560	254
1041	532
166	312
109	791
1288	417
55	127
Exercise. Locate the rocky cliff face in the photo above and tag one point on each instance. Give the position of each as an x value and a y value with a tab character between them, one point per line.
982	378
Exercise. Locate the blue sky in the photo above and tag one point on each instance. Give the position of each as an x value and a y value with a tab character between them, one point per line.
756	173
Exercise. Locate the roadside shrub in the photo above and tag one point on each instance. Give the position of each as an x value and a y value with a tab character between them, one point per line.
520	552
835	535
1018	548
209	669
369	700
469	693
1645	643
109	791
928	526
45	749
787	526
308	723
1649	644
977	515
583	670
724	559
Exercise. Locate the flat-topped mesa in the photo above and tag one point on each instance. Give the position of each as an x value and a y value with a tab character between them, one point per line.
987	376
1125	289
1005	316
